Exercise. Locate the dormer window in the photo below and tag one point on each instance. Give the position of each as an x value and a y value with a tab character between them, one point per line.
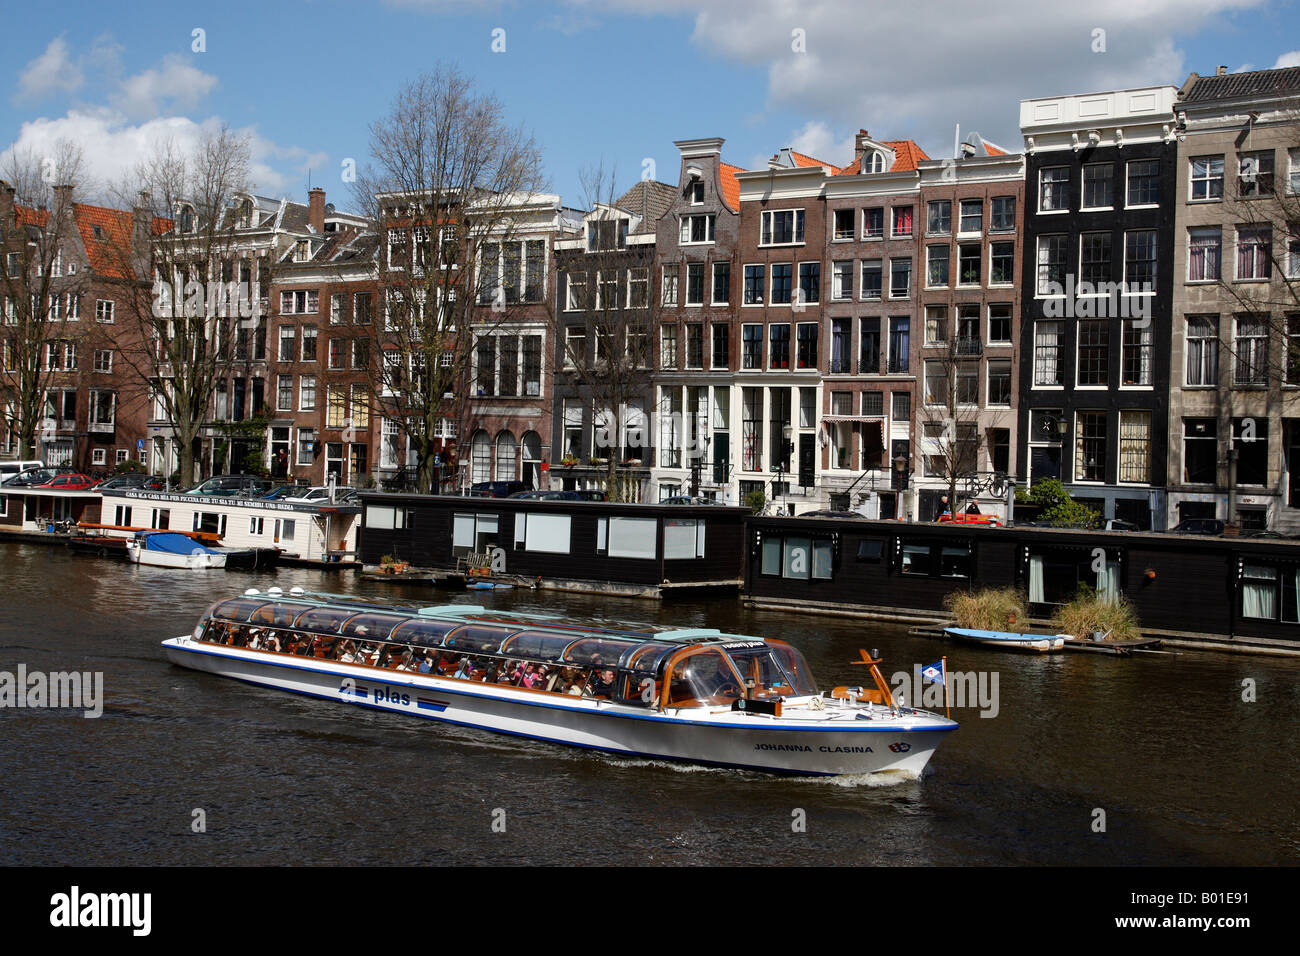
302	250
876	162
187	219
244	213
97	232
696	193
607	234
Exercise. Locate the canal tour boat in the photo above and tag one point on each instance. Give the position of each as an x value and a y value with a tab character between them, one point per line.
694	695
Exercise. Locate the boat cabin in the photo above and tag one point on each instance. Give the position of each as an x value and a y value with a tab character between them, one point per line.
654	669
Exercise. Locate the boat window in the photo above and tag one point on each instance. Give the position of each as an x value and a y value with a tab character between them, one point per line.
281	614
429	633
796	667
647	657
325	619
763	674
546	645
586	651
703	678
237	610
373	626
477	637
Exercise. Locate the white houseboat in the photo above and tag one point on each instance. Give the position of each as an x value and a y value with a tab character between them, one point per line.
686	695
316	532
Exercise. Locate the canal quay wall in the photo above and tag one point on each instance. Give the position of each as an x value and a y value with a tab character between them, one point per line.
1233	594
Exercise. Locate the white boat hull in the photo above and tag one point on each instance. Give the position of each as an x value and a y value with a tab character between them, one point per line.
1041	643
804	741
162	559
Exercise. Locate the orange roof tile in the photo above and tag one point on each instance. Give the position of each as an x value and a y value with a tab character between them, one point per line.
801	160
730	185
907	154
104	252
32	217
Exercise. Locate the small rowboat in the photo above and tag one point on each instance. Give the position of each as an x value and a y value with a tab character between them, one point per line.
1009	639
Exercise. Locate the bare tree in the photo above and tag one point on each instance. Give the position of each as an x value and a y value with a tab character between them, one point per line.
42	286
953	426
195	307
603	328
449	175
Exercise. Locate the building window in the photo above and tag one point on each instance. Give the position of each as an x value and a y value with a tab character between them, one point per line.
300	301
1094	352
1204	254
869	345
336	353
938	220
1252	350
902	228
668	346
1254	248
841	347
968	263
1052	255
1143	182
1140	261
842	280
694	345
900	408
900	278
873	404
873	223
1250	442
1255	174
721	283
1135	352
1049	357
1000	324
1002	214
104	311
754	285
810	281
999	388
670	285
1002	263
336	309
1202	350
972	217
1090	446
871	279
782	278
720	352
1054	189
1200	451
936	272
307	393
843	224
782	227
1135	447
899	343
751	347
779	347
284	393
103	360
1207	178
1098	182
1094	259
308	344
286	343
697	229
695	283
806	334
936	325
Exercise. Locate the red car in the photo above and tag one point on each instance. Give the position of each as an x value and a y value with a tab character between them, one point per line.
69	483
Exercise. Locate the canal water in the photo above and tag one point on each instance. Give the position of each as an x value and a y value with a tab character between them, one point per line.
1089	760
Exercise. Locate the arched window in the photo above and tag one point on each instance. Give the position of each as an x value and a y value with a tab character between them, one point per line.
506	456
532	448
877	162
480	457
187	219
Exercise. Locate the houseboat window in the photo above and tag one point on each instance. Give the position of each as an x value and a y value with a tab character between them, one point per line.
587	650
474	532
683	538
871	550
915	559
546	533
1259	592
371	626
1056	576
284	530
706	677
386	517
771	555
162	519
424	632
797	558
476	637
210	521
280	614
325	619
545	645
955	561
633	537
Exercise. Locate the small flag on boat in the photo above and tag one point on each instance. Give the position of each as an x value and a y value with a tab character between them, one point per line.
933	674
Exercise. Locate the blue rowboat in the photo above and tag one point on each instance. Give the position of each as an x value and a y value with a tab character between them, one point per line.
1008	639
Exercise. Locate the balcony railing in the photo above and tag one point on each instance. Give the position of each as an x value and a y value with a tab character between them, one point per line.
969	345
898	365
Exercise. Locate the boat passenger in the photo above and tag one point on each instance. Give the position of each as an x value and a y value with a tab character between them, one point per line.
602	683
529	676
347	652
465	670
404	661
428	663
272	642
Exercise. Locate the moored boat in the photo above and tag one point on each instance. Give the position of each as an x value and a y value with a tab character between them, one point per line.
1009	639
693	695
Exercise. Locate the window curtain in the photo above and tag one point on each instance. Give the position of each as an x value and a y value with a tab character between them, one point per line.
1258	592
1108	583
1036	580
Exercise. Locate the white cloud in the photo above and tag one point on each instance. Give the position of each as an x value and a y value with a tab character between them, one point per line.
816	139
51	72
113	146
1287	59
907	70
174	85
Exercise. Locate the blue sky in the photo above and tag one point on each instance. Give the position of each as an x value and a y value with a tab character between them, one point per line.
614	80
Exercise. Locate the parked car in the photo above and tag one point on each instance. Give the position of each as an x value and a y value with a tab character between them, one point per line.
1198	526
232	486
689	500
73	482
591	494
32	476
499	489
1115	524
132	481
8	469
320	495
831	514
285	491
991	521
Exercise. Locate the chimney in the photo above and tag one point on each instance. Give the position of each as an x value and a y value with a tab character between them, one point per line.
860	144
62	196
316	209
1221	71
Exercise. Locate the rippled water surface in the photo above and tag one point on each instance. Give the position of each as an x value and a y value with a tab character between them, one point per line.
1184	770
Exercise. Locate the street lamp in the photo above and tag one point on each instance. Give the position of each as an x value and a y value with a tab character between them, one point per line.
901	473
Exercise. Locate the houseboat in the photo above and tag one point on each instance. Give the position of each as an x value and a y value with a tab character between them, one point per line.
696	695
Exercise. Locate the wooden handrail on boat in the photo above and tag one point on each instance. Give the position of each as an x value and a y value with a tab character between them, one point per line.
873	663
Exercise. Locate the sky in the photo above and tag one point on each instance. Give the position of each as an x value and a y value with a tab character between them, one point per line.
609	82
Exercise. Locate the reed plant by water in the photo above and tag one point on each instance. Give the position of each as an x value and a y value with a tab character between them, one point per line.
1091	612
991	609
